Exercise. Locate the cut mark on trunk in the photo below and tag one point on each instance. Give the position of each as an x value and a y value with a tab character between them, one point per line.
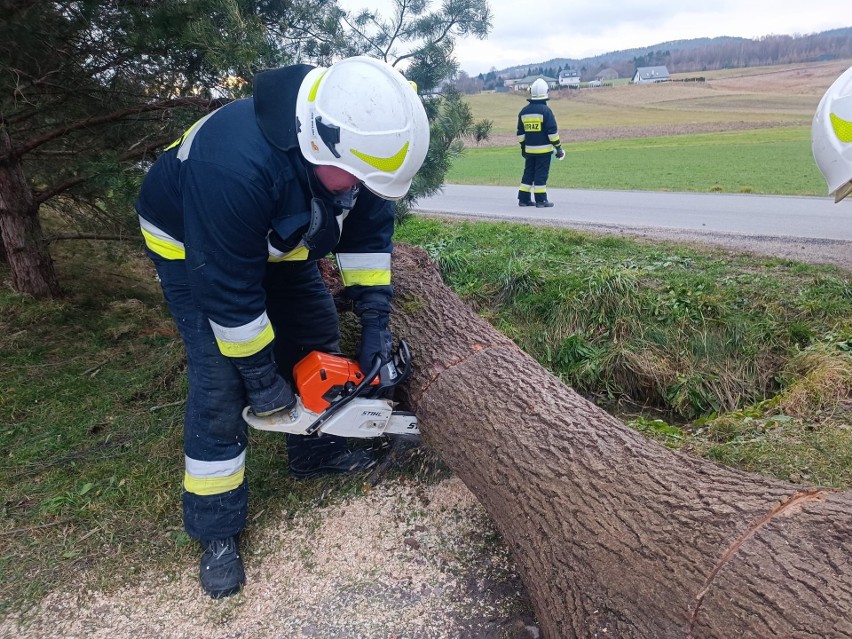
786	508
476	349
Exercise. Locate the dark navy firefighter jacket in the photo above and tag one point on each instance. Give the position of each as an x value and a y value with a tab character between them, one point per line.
234	193
537	129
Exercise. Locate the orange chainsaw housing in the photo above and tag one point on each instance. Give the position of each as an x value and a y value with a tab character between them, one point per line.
321	378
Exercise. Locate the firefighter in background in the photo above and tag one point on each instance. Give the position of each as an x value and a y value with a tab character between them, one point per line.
235	215
538	135
831	136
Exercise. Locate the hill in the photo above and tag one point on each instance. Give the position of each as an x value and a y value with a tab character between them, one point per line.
703	54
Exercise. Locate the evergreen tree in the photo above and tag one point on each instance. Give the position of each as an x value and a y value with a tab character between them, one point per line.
90	90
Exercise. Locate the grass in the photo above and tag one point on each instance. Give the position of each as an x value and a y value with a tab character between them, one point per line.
775	160
696	335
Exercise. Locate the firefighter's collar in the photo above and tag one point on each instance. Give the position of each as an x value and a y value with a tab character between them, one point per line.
275	95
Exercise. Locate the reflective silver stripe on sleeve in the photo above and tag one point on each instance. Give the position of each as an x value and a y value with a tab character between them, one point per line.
364	261
244	333
183	151
158	233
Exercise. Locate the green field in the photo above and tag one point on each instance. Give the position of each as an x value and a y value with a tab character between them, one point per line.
740	131
776	160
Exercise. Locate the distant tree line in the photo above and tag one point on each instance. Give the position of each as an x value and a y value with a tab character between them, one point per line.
721	53
781	49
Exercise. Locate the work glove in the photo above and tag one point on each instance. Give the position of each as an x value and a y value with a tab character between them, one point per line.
375	339
271	399
560	153
267	392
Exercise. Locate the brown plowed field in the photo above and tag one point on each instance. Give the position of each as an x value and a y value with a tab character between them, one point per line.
727	100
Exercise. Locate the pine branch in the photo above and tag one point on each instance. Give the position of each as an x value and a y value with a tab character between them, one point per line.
91	236
162	105
135	153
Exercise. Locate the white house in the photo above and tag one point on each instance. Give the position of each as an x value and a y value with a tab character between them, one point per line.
569	78
651	75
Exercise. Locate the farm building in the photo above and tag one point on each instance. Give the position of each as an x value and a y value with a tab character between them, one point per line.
569	78
523	84
651	75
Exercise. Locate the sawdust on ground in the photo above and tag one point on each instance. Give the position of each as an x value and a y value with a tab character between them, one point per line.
406	561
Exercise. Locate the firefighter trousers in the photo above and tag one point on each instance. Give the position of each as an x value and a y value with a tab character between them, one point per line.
534	179
304	318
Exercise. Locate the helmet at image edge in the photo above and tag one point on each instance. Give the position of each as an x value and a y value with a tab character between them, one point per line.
538	90
361	115
831	136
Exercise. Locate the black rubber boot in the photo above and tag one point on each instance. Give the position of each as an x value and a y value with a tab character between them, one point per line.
543	204
312	456
525	203
222	573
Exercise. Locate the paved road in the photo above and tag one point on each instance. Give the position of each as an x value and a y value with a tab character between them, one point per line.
810	229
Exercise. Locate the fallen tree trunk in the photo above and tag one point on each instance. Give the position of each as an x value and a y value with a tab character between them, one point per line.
614	535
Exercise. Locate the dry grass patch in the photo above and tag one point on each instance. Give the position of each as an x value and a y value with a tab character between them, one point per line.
821	381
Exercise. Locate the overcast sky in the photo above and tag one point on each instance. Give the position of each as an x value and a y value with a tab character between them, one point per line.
539	30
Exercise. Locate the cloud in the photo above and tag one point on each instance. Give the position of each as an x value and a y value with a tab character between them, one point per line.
533	32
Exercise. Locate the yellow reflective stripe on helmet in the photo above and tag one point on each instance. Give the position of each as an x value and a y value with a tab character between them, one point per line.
160	242
213	477
842	128
388	164
245	340
312	95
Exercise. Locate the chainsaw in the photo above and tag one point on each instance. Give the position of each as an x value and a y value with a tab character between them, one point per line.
335	397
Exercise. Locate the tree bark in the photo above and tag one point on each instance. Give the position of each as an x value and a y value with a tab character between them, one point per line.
20	229
614	535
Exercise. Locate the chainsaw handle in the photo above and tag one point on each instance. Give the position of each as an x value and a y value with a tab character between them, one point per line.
395	371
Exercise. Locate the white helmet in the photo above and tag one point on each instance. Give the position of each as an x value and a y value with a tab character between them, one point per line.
538	90
831	136
361	115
